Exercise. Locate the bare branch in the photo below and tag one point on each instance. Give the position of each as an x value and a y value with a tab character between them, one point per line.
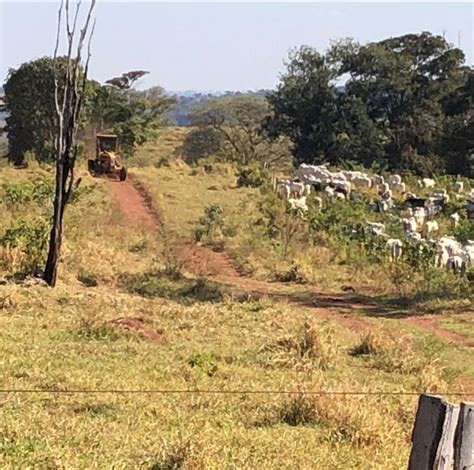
56	48
68	112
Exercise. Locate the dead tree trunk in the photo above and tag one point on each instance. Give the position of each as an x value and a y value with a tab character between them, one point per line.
68	109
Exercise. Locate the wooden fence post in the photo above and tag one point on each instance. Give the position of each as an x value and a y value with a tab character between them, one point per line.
464	438
445	454
427	432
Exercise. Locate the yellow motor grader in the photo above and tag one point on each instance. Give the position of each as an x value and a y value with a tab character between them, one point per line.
107	158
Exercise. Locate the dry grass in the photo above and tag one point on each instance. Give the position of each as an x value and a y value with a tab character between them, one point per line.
68	338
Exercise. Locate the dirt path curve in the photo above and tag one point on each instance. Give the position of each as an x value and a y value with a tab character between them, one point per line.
132	204
431	323
137	208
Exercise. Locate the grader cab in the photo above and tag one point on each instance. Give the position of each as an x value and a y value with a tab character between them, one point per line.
107	158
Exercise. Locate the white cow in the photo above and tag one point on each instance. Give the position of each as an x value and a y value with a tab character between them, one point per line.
377	180
413	236
432	226
383	188
409	225
298	204
395	249
283	189
454	219
298	189
394	179
375	228
329	191
362	182
398	187
419	215
456	264
427	183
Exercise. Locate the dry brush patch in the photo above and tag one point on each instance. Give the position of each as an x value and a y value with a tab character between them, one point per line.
74	337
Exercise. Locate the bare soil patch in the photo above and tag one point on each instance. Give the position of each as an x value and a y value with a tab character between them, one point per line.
137	324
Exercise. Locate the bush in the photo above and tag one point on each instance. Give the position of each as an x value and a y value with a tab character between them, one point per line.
207	362
210	223
312	344
201	143
88	279
40	190
370	344
31	238
292	275
251	177
171	284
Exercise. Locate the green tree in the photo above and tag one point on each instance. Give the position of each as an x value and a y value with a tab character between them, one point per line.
29	99
134	115
304	105
392	110
238	121
201	142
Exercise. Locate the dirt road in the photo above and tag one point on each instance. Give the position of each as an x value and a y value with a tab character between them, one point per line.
137	208
132	204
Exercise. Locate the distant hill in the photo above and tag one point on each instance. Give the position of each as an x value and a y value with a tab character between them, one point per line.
187	100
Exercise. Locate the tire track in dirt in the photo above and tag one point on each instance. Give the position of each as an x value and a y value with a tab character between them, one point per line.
137	207
431	324
132	204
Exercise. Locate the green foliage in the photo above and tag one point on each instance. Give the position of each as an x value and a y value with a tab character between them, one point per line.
134	115
406	104
29	98
210	223
201	142
238	122
31	238
251	176
88	279
39	190
171	284
205	361
465	230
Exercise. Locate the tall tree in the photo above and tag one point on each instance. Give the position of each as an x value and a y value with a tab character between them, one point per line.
385	103
237	120
304	105
132	114
68	102
29	98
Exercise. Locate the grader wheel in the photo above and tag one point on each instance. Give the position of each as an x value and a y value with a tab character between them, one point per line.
123	174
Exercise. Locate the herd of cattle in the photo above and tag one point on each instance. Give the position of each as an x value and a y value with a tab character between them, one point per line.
416	215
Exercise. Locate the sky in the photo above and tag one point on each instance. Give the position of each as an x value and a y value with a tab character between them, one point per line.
221	46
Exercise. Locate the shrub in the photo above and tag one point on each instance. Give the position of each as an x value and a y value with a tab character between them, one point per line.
358	420
313	344
292	275
88	279
171	284
31	238
210	223
40	190
251	177
206	361
371	344
201	142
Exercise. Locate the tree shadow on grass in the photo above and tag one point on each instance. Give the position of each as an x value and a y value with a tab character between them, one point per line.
171	285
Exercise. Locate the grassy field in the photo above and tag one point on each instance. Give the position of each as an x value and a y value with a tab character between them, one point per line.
190	333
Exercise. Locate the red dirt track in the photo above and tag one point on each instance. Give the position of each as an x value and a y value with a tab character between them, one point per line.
201	260
132	204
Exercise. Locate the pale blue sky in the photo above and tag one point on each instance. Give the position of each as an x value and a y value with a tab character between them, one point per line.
220	46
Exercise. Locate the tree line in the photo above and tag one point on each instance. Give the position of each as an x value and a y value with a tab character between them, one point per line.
406	103
115	106
403	103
